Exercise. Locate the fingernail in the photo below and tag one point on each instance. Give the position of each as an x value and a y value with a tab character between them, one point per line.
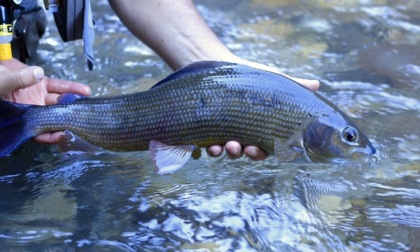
88	91
251	151
237	151
215	150
38	74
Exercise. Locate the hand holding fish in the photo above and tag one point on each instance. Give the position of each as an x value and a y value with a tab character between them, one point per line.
197	43
203	104
191	43
17	78
28	84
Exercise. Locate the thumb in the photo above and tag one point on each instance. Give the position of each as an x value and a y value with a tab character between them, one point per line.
22	78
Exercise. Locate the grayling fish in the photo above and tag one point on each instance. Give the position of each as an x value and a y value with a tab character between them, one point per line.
203	104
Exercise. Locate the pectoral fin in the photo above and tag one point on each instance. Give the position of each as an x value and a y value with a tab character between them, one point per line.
286	152
70	144
167	158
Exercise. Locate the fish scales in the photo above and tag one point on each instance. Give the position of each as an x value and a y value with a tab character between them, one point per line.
210	108
200	105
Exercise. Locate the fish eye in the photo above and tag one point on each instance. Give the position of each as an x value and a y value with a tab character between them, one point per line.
350	134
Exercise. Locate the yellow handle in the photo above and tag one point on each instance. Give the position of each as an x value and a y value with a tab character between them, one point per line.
5	51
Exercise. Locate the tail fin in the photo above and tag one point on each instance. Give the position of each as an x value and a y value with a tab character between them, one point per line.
12	132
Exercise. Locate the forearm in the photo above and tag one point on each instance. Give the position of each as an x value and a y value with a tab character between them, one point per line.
173	29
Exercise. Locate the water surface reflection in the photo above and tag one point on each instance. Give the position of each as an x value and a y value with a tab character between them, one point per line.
366	55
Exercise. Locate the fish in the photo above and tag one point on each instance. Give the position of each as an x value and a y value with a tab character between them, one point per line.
203	104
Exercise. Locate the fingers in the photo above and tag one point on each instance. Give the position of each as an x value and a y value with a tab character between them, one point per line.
255	153
311	84
18	79
234	151
51	98
215	150
56	87
49	138
62	86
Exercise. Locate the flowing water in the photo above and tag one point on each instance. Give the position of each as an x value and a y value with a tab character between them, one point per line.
367	56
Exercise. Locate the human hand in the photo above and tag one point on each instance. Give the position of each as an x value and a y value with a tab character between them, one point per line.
233	148
311	84
28	84
180	44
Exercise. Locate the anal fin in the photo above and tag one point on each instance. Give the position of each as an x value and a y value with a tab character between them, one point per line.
167	158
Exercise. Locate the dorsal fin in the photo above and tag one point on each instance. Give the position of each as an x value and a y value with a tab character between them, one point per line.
191	69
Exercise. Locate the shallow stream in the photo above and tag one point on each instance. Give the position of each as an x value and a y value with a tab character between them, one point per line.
366	55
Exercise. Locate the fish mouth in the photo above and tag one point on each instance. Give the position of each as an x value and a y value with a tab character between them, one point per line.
355	155
372	149
363	154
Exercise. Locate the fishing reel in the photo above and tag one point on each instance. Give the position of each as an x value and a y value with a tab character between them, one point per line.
7	23
74	21
68	16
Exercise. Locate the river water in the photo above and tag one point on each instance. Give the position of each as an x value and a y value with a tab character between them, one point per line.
366	55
